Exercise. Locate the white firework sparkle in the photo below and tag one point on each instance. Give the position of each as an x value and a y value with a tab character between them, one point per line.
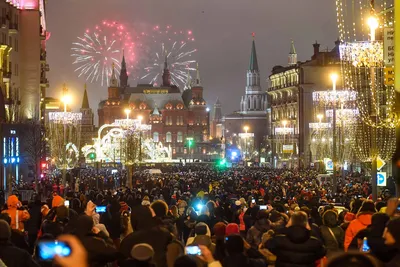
97	51
177	47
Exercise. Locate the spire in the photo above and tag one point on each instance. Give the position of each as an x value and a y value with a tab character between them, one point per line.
188	84
166	77
123	76
85	101
292	49
253	57
217	102
198	79
113	79
292	55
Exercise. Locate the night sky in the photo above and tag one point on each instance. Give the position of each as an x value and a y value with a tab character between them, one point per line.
223	37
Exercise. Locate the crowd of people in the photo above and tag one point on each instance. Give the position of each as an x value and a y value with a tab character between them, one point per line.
202	216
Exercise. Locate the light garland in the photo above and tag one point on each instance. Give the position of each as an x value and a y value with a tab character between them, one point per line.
362	68
65	117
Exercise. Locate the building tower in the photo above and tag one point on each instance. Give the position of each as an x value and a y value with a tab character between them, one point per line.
123	76
200	113
254	99
216	121
166	77
113	88
292	55
87	123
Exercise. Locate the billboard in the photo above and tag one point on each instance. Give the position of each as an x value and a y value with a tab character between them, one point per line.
287	148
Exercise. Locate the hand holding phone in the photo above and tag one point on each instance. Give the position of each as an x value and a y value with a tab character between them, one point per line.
193	250
49	249
100	209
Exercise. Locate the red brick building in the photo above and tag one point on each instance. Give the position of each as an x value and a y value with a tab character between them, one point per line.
175	116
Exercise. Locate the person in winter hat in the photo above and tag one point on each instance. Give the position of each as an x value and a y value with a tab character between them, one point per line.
363	219
18	217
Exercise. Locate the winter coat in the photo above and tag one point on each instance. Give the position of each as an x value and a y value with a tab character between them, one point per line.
15	257
240	260
296	248
332	243
332	234
254	235
360	223
16	215
146	230
100	249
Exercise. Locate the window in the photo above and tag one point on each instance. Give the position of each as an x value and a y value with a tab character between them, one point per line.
169	137
179	138
155	137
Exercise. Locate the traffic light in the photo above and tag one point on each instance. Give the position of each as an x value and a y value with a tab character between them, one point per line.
43	166
190	142
92	156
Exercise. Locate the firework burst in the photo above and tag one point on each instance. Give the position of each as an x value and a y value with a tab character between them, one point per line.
99	49
177	46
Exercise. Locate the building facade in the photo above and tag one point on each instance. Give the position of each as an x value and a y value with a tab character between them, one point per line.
291	94
87	128
23	79
249	125
176	117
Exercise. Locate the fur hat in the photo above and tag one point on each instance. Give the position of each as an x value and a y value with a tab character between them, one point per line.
142	252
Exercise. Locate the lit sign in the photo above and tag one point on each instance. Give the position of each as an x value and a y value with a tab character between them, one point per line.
65	117
322	125
284	130
342	112
381	178
287	148
155	91
246	135
330	96
328	164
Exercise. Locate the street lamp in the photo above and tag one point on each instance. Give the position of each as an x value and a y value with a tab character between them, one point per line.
334	78
140	118
320	117
66	99
373	24
127	112
246	129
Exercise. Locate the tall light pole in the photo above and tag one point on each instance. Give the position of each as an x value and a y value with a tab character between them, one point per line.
397	87
127	112
66	99
373	24
140	118
334	78
246	129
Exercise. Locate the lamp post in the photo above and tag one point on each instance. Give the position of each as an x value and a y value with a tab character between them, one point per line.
127	112
284	123
246	129
66	99
373	24
334	78
140	118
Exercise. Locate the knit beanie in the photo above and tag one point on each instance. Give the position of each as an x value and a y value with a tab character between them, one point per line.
219	229
57	201
232	229
5	230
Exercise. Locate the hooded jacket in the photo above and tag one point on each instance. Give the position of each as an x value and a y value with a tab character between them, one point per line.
146	230
360	223
296	248
100	249
332	234
254	235
18	217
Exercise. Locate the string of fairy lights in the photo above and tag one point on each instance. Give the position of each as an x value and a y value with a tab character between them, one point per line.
362	66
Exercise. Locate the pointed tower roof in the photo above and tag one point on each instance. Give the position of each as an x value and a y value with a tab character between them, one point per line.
253	57
188	84
217	102
198	79
292	49
85	100
113	80
166	77
155	111
166	60
123	63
